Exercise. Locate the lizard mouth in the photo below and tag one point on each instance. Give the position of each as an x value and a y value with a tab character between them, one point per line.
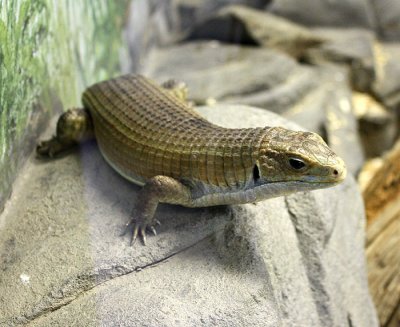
337	177
268	190
300	182
277	188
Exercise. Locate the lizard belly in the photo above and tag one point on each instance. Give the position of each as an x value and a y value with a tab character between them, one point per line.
127	174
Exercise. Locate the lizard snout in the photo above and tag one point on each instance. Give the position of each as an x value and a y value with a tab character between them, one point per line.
339	172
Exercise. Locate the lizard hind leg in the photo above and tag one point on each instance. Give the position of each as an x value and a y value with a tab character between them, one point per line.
73	126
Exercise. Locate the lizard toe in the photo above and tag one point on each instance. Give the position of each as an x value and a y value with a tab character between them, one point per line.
134	234
153	230
139	230
142	231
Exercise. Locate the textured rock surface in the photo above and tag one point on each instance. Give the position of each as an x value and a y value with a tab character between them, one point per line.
353	48
217	71
387	84
240	24
268	79
381	16
149	24
294	261
194	11
342	13
377	125
387	13
341	125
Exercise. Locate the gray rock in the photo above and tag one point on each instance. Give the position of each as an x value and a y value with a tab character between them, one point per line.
149	24
192	12
343	13
387	84
287	94
377	125
341	125
217	71
240	24
387	13
294	261
353	48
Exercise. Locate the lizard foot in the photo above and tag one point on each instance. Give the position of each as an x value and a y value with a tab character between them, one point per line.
140	228
48	148
52	148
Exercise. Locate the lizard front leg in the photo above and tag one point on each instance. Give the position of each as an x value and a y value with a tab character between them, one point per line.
73	126
159	189
177	89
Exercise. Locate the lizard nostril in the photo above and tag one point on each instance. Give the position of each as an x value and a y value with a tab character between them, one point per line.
335	172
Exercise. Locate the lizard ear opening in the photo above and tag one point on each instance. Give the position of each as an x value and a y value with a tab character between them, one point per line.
256	173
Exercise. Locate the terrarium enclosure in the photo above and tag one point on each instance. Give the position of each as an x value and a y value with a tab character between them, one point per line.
322	258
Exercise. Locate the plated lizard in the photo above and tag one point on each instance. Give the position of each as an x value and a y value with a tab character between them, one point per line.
151	136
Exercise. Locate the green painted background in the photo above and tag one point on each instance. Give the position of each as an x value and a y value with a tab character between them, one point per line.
49	51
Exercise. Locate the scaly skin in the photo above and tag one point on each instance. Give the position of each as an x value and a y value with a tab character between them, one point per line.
152	137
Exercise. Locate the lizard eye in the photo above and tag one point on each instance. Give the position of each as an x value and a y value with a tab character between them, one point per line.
297	164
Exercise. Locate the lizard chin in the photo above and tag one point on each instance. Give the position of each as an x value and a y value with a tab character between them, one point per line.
281	188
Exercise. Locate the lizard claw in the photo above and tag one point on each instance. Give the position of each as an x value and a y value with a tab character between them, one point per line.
153	230
142	231
139	230
134	235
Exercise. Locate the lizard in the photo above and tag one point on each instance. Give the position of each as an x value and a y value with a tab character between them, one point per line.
153	137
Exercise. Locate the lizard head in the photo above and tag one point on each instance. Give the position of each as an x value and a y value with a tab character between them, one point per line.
297	161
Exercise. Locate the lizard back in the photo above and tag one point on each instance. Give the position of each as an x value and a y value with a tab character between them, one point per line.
143	130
